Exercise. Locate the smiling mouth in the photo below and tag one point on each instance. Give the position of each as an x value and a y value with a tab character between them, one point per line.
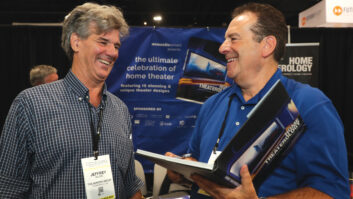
231	60
104	62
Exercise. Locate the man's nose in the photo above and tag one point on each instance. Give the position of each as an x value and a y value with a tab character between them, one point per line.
224	48
112	50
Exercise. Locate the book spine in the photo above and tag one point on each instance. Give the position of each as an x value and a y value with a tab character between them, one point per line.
288	140
280	150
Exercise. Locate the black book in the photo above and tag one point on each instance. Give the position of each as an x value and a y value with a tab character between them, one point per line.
272	128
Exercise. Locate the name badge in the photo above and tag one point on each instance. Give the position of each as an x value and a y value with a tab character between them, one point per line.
98	177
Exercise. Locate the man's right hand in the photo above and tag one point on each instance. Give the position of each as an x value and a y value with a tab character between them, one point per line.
174	176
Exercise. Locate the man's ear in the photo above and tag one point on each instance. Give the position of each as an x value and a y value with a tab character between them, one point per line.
268	45
74	41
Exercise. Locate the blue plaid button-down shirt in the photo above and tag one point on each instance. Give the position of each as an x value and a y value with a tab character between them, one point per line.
47	133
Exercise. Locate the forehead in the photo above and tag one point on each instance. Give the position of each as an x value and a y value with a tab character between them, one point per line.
112	35
242	22
51	77
94	28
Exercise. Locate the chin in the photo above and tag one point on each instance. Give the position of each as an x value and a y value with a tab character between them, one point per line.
103	76
231	75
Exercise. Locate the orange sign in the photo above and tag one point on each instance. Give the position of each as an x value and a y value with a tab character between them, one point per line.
337	10
303	21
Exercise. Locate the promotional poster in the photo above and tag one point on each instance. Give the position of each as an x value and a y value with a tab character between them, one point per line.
165	74
154	65
301	62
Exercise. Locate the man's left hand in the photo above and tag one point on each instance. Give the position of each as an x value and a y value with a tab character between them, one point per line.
244	191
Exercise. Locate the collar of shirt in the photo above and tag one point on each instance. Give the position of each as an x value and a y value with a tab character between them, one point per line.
80	90
238	93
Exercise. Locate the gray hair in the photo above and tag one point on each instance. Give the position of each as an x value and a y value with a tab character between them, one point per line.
104	17
39	72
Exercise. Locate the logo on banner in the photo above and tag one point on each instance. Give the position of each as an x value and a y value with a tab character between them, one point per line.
337	10
300	62
303	21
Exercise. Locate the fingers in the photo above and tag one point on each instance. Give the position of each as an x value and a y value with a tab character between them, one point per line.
173	176
190	158
204	183
247	185
245	190
170	154
245	175
211	188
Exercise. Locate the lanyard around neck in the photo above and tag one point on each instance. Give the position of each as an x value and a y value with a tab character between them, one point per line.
223	124
96	134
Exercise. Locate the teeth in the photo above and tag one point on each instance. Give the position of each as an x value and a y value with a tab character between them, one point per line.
231	59
104	62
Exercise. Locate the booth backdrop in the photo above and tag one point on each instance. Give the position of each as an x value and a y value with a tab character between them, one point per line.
25	46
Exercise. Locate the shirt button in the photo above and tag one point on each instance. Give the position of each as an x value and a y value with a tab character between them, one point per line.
237	123
80	99
242	107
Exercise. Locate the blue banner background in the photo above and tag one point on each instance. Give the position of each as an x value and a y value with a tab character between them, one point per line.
146	76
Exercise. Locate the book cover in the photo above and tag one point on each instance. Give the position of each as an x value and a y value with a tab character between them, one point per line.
204	71
272	128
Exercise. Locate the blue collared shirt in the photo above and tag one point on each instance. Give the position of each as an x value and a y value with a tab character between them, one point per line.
47	133
319	158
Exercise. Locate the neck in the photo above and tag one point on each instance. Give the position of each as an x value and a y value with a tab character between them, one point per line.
95	88
258	82
95	96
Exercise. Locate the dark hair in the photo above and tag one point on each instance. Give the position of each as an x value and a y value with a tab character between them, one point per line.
270	21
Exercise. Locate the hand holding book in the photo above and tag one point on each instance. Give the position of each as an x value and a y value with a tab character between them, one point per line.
272	128
177	177
246	189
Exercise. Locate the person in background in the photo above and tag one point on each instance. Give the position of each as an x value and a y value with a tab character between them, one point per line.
317	166
70	138
42	74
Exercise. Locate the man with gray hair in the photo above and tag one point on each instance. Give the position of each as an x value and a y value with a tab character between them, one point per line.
42	74
71	138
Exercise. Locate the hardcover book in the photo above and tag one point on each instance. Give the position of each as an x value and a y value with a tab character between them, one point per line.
272	128
204	71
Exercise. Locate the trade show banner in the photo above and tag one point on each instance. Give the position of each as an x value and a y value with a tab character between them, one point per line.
163	75
301	62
